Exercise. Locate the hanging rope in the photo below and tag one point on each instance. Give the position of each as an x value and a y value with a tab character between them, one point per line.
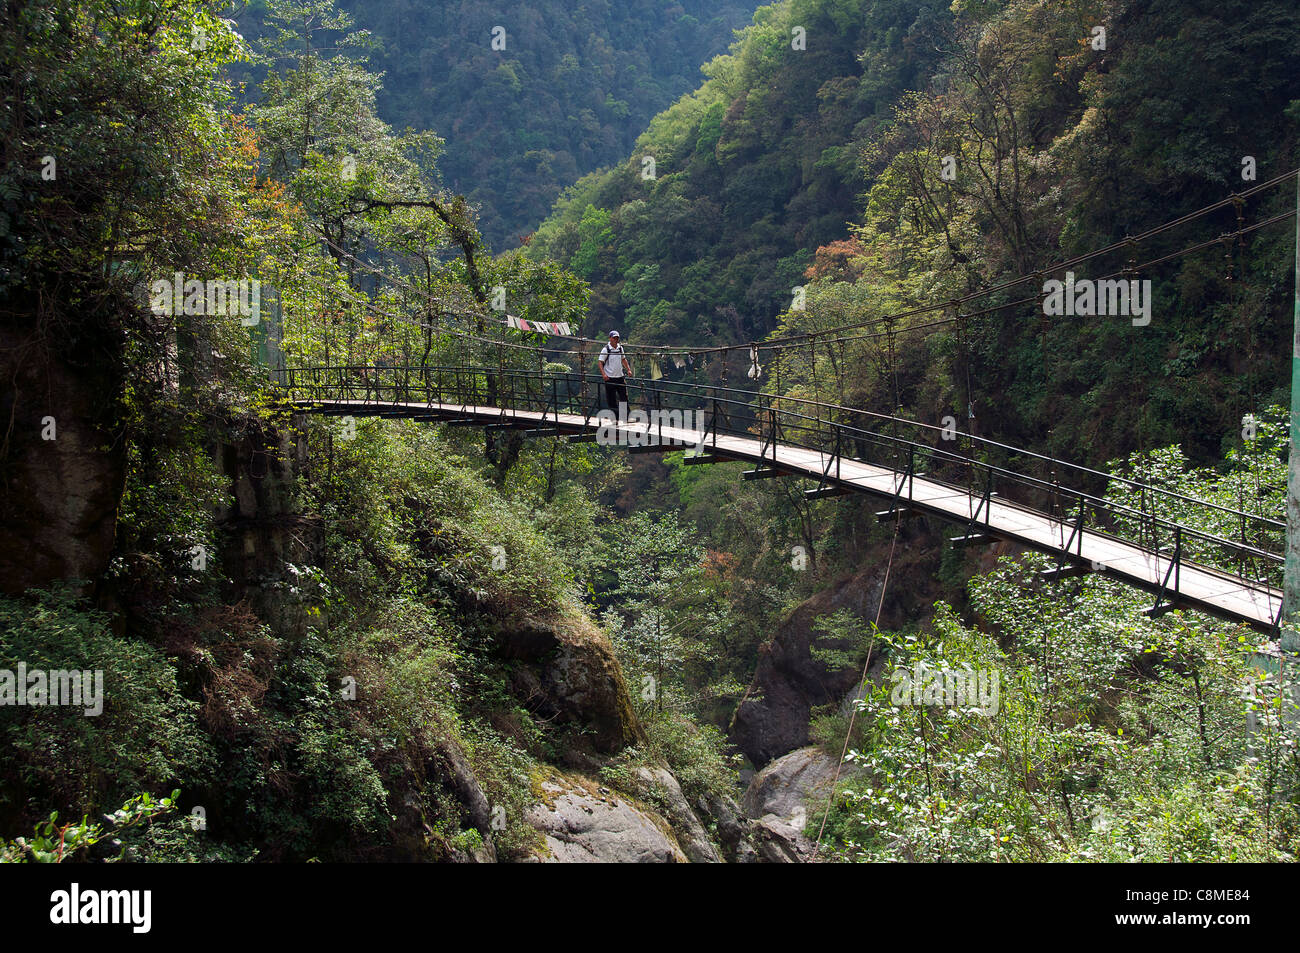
812	373
871	648
893	370
1251	397
841	370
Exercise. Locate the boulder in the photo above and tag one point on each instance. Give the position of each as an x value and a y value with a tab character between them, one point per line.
783	827
658	785
732	827
786	785
570	677
584	823
780	843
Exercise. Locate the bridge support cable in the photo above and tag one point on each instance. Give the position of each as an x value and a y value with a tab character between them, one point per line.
862	684
1291	578
776	344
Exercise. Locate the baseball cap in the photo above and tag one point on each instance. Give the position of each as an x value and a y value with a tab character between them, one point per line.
613	334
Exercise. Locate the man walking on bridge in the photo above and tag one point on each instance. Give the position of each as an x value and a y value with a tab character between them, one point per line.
613	365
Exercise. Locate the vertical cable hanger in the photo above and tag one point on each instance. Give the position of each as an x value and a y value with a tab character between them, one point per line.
892	370
812	361
840	370
963	335
812	372
1130	274
501	363
1237	250
959	320
1042	346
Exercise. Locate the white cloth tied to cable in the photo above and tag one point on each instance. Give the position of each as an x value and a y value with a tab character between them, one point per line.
755	372
561	328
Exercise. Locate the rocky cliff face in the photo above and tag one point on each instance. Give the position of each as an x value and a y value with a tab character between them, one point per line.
569	676
772	718
783	801
62	464
265	531
584	822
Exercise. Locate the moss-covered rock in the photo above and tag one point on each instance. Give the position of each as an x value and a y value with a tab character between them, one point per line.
568	675
583	822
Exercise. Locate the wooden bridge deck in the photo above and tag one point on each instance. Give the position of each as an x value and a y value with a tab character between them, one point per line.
1198	587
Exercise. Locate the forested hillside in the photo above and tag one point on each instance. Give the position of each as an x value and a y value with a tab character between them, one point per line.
824	167
562	90
752	172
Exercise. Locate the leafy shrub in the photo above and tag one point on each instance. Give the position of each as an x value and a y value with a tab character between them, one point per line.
146	737
54	843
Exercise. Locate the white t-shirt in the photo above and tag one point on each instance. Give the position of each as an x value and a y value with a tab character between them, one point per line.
612	359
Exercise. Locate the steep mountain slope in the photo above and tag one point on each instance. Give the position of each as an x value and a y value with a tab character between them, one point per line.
1066	127
752	172
572	88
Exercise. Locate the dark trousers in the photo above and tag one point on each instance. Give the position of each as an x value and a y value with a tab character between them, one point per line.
616	395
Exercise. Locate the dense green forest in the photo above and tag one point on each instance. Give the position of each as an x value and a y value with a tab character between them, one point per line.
392	635
753	172
824	168
563	90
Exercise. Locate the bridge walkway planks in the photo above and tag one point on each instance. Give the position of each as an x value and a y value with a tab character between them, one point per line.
1198	587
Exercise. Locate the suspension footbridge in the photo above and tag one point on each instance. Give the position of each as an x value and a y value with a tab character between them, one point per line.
1187	553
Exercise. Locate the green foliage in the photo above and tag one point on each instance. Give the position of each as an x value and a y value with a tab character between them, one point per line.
696	756
1254	483
1055	152
1115	737
396	500
594	235
570	92
123	101
145	737
841	640
167	521
667	612
504	770
54	843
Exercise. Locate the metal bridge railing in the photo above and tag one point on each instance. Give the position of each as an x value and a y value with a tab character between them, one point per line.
984	469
